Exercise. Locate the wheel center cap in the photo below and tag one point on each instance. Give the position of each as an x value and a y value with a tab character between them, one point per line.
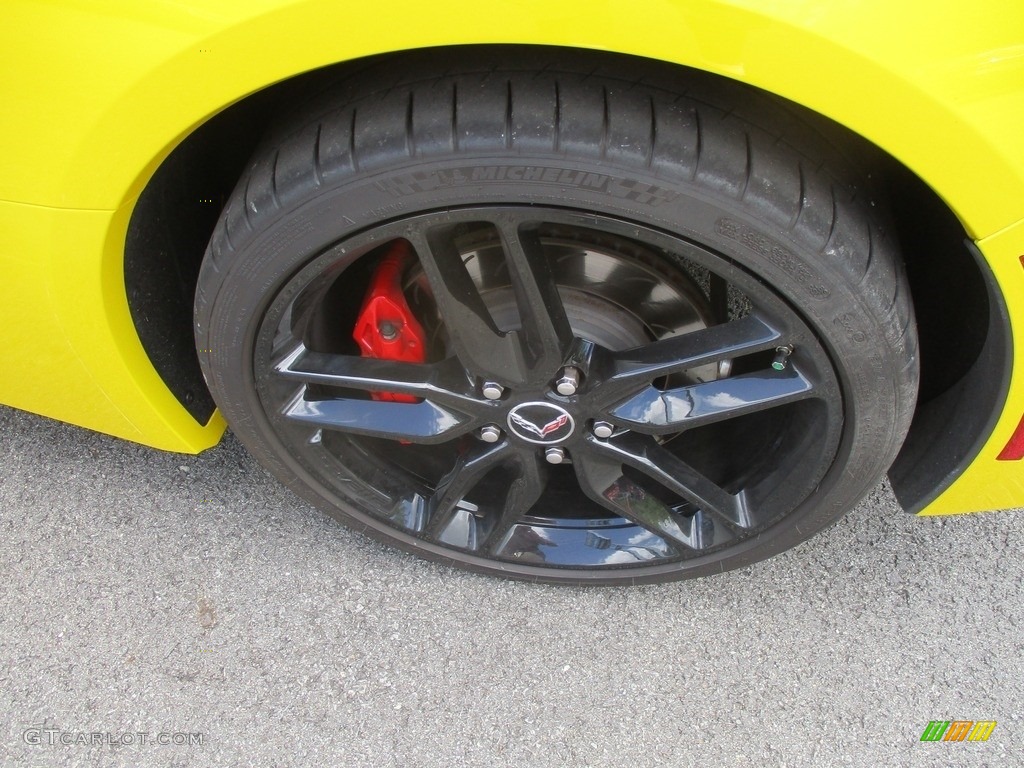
541	423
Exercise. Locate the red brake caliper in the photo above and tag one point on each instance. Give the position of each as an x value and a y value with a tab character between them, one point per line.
386	328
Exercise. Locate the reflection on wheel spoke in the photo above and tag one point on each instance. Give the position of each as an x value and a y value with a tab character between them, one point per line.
645	455
450	508
444	383
654	411
524	491
602	480
423	422
631	370
591	543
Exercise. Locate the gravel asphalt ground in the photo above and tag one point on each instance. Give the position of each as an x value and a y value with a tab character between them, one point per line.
167	595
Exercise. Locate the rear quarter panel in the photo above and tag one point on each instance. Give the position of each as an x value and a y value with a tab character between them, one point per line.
98	94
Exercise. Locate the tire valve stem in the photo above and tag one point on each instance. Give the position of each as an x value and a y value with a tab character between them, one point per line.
781	357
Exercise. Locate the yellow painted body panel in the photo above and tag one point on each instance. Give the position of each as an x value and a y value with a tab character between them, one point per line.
74	354
97	94
111	87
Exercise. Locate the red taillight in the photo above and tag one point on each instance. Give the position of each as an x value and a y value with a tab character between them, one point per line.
1014	449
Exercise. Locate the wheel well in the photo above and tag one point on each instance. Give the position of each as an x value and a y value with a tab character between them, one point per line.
965	342
963	329
167	236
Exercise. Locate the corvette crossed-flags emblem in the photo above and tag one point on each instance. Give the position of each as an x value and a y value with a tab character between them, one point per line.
544	431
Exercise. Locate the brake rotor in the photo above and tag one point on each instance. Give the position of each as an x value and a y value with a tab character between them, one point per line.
616	294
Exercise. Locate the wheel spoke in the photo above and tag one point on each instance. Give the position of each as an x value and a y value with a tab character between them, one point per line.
545	334
600	477
629	370
443	383
657	412
483	349
645	455
524	491
451	518
423	422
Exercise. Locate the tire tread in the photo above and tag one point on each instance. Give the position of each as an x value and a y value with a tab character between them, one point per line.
379	116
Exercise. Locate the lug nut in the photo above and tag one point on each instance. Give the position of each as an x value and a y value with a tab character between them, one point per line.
554	455
603	429
568	382
490	434
492	390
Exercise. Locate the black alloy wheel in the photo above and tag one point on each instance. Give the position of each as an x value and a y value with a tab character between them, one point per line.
630	373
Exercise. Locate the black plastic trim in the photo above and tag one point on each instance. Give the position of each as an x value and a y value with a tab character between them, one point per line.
950	430
167	237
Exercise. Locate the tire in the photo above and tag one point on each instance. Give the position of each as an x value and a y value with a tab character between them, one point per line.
685	291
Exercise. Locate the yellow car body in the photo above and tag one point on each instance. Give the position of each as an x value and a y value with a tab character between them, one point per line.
97	95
